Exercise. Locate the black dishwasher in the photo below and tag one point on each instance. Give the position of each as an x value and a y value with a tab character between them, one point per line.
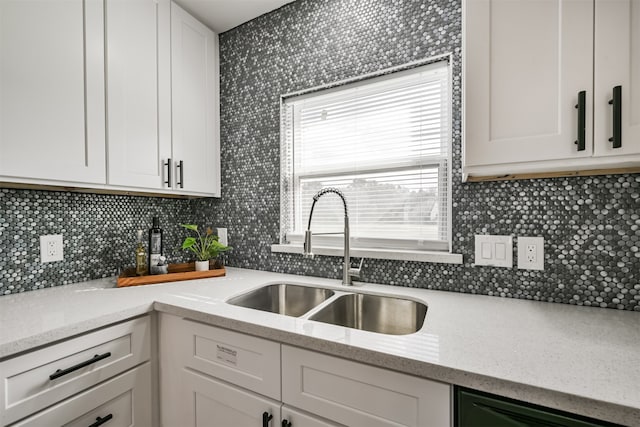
478	409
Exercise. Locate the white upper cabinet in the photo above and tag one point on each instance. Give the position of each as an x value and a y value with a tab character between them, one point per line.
196	112
138	91
533	99
52	109
115	95
617	63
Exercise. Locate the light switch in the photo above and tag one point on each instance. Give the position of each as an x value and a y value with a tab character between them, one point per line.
486	250
496	251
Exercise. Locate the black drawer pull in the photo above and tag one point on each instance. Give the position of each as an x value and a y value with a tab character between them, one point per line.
266	417
582	122
168	165
101	420
617	117
181	167
94	359
286	423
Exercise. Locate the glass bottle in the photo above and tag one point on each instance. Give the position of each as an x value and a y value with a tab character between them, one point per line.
141	257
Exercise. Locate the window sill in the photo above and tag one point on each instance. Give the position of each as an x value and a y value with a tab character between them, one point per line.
395	254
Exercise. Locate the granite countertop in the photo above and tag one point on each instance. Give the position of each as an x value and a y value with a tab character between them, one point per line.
580	359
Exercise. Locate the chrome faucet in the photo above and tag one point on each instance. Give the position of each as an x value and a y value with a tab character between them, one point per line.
347	271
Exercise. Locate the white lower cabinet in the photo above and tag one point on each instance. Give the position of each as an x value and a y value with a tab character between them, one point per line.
215	377
124	401
45	377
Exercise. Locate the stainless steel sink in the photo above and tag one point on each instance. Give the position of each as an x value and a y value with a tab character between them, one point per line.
283	298
385	315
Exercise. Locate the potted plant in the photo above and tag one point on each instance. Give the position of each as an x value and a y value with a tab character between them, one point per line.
206	247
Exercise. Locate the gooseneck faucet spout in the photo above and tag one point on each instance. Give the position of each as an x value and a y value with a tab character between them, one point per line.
347	271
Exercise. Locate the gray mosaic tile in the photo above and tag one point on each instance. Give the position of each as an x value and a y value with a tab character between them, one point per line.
591	225
99	234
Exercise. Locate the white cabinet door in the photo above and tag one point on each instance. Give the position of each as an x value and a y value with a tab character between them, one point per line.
525	63
191	353
617	63
355	394
195	95
52	90
138	91
205	401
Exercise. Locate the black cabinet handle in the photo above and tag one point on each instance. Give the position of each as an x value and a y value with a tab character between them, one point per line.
582	121
266	417
286	423
617	117
168	165
101	420
181	167
94	359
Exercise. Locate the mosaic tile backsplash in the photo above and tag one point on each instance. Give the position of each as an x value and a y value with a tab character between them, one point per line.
591	225
99	234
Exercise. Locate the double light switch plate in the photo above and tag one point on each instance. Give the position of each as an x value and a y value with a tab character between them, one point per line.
496	251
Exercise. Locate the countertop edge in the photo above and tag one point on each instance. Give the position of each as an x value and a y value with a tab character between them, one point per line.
34	342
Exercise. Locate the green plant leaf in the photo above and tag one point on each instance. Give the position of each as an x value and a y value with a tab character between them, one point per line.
188	242
205	247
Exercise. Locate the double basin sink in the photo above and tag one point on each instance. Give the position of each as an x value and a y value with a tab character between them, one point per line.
368	312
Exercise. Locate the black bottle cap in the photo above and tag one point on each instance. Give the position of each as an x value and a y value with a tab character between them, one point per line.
156	222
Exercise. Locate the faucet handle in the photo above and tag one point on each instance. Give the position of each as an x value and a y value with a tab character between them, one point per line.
355	272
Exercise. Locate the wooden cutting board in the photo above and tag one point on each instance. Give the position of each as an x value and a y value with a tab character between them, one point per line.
177	272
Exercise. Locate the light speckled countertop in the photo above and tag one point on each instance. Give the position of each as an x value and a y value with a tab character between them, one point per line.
580	359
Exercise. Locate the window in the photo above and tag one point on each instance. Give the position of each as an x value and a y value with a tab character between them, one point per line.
385	143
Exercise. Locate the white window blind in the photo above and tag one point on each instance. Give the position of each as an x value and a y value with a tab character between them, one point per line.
384	142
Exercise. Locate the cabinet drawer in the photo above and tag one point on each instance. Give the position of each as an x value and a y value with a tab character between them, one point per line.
355	394
250	362
27	386
123	401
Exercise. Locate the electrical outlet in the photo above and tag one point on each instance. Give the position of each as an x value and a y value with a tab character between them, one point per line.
531	253
51	248
222	235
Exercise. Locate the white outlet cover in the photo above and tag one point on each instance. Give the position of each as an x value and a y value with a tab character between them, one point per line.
48	241
523	262
222	235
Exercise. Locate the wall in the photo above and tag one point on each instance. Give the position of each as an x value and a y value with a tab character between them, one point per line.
99	234
591	225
